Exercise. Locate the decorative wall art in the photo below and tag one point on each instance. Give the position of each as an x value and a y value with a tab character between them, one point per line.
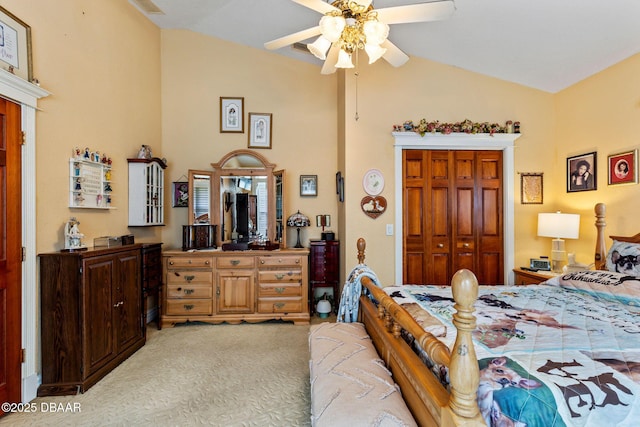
231	114
531	188
373	206
308	185
623	168
581	172
180	194
15	45
260	130
373	182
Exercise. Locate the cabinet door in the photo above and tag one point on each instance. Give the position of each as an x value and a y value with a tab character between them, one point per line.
128	299
98	333
235	292
318	266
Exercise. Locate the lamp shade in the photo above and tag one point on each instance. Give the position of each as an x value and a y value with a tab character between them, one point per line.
319	47
559	225
298	220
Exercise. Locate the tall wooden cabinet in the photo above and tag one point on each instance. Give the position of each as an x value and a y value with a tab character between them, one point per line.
91	315
453	215
324	270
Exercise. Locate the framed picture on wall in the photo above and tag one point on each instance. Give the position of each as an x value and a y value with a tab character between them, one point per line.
259	130
231	114
623	168
308	185
180	194
581	172
15	45
531	188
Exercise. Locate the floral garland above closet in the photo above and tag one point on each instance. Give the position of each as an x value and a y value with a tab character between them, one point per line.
466	126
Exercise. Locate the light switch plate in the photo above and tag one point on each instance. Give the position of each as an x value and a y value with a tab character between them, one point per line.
389	229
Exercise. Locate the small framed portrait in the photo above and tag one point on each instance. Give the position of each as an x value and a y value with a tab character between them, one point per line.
180	194
531	188
231	114
623	168
260	130
308	185
581	172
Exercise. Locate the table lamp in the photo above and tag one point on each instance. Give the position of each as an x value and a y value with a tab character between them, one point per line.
559	226
298	220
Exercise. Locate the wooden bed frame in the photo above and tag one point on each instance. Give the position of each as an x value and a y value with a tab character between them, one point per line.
429	401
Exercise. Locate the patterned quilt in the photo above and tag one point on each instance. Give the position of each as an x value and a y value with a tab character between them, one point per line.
563	353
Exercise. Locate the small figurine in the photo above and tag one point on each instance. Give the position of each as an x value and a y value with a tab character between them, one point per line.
145	152
107	175
104	158
77	154
87	155
72	234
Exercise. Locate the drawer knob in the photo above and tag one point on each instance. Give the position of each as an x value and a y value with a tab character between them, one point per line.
170	262
235	262
261	261
279	276
189	291
188	306
279	290
440	245
278	305
465	245
189	278
206	262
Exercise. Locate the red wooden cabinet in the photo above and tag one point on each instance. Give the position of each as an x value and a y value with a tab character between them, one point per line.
324	271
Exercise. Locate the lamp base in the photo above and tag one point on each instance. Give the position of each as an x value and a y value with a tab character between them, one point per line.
558	255
298	244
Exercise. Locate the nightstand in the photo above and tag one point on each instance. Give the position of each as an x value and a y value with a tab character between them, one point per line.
525	277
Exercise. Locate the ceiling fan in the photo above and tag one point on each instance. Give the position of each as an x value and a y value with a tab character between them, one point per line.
349	26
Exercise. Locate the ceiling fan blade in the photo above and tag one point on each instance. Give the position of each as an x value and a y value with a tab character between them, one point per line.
420	12
317	5
332	58
394	55
292	38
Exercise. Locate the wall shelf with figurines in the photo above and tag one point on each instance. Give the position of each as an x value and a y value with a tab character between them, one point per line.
90	184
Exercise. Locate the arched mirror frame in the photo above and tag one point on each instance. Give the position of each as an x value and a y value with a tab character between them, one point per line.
222	168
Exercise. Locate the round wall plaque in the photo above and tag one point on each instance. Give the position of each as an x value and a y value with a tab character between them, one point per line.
373	182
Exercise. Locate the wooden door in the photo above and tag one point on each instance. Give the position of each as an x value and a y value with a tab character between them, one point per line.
99	328
452	215
10	253
128	302
234	292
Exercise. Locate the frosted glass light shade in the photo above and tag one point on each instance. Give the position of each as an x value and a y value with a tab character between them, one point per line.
319	47
559	225
331	27
376	32
374	52
344	60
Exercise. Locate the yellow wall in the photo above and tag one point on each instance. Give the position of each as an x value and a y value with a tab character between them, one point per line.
101	62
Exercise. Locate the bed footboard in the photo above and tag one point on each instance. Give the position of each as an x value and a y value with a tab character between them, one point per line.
429	401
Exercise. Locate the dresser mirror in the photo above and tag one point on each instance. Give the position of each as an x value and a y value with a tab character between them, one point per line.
243	196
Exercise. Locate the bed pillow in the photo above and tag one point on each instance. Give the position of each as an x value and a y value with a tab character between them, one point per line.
603	282
624	257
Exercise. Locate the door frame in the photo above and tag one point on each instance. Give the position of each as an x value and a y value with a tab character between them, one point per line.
460	141
27	95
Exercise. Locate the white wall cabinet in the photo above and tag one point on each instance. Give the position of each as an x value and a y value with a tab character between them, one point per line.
146	192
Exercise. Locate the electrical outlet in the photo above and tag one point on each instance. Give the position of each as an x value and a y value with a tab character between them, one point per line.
389	229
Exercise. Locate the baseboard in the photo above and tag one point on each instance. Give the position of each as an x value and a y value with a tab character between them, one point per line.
30	386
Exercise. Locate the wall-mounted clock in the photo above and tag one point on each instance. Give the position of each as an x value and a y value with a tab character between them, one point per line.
373	182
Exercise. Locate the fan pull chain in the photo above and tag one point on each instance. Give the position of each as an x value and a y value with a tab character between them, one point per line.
356	74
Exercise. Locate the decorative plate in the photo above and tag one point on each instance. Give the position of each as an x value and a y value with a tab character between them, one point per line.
373	182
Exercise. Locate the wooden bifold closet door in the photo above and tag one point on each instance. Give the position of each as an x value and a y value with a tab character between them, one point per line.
452	215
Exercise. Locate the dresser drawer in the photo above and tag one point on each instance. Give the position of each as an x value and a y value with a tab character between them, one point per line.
189	291
280	261
279	305
185	307
280	290
235	262
280	276
189	262
189	277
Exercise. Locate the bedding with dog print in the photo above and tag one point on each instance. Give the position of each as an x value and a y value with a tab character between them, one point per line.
549	354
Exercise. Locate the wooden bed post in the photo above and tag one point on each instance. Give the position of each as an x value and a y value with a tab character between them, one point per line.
463	371
601	249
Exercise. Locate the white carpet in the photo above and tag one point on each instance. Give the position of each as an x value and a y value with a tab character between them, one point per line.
218	375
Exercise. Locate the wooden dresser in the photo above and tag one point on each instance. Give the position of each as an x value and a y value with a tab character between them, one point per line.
91	315
526	277
234	286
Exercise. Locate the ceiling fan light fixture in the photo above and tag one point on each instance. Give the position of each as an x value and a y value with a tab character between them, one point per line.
374	52
375	31
319	47
332	26
344	60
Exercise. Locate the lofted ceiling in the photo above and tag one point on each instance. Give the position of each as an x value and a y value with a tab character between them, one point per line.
544	44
